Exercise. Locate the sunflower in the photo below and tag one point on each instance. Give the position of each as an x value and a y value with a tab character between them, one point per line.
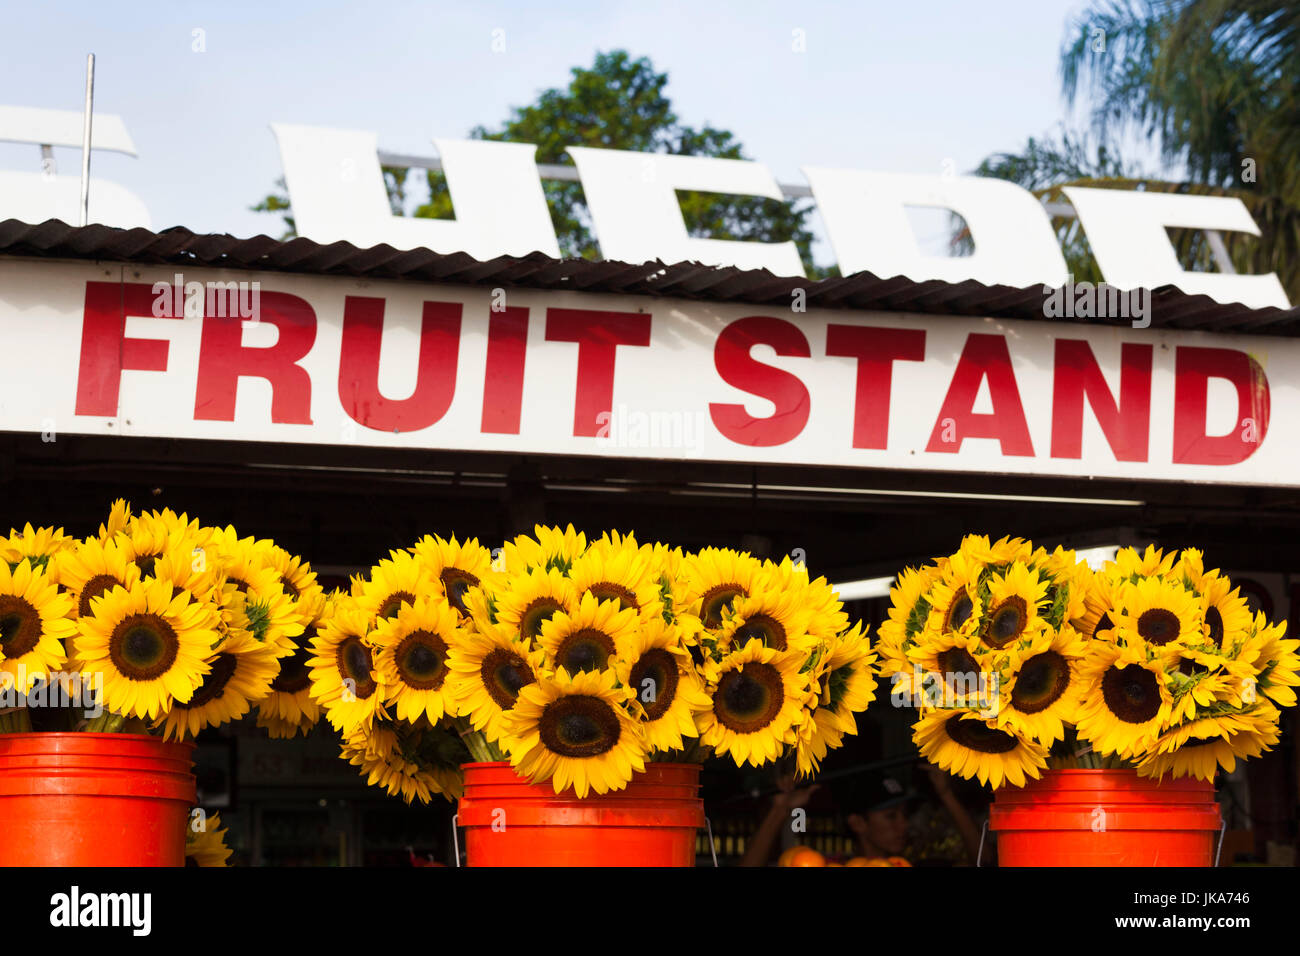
151	642
967	746
1159	612
241	674
908	612
1130	565
394	582
1015	605
845	683
38	545
1042	690
35	620
758	701
587	639
489	668
259	604
412	656
530	598
344	679
714	578
1276	661
550	549
457	567
778	611
149	535
119	519
954	601
297	579
1126	701
655	664
576	731
289	704
413	762
625	574
956	670
1226	614
1198	747
1097	622
205	845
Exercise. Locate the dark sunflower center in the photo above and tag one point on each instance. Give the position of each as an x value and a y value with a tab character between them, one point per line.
1007	622
1158	625
586	650
143	646
1041	681
145	563
223	668
294	672
289	589
93	589
976	735
767	629
1214	621
455	583
579	726
609	591
20	625
421	660
654	681
504	673
356	665
538	612
393	603
1190	668
958	666
1104	623
717	599
748	699
1131	693
959	611
240	584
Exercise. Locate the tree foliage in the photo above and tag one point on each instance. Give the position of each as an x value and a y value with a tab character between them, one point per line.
1215	86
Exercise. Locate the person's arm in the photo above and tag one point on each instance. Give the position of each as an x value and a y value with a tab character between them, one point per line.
786	800
960	817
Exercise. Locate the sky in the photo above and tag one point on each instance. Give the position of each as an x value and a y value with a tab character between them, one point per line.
891	86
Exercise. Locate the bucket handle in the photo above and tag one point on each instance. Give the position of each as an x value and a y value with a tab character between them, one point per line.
455	839
1218	850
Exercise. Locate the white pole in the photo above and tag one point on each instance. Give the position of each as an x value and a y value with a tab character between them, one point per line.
85	138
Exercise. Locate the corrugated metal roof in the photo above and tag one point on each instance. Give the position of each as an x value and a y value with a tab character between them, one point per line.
1171	307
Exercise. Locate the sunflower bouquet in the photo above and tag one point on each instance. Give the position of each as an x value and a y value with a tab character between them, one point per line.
1018	660
579	662
155	625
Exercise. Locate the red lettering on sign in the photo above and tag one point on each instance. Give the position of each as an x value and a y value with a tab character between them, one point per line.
1193	369
435	381
739	369
598	334
105	349
223	358
985	356
1126	423
503	381
876	350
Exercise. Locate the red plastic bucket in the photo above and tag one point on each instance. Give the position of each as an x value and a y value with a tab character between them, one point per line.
93	800
1106	818
511	822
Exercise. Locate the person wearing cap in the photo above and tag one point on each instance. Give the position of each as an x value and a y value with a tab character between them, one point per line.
878	820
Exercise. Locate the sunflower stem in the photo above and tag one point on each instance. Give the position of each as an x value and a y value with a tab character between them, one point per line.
15	721
106	723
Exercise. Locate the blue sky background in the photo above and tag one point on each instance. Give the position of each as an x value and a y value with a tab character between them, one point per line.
898	86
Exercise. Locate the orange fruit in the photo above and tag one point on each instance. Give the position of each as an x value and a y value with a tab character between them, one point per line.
898	861
858	861
784	859
877	861
806	856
